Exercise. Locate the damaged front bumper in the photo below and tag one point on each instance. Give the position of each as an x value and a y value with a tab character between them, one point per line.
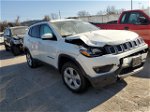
125	69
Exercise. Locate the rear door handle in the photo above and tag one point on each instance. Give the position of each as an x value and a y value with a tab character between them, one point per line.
126	28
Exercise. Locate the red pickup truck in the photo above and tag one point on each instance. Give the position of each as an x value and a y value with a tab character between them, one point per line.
134	20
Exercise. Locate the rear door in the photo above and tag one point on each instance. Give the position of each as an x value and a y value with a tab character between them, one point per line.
34	41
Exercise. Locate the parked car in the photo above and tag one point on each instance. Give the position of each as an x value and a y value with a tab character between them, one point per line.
1	38
83	53
133	20
13	39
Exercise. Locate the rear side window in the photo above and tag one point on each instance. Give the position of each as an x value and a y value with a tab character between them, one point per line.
124	18
6	32
35	31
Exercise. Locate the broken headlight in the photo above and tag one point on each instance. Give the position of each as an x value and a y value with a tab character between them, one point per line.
91	52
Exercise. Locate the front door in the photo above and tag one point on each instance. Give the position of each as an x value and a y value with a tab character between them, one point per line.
48	49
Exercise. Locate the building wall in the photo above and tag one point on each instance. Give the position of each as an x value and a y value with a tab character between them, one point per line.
100	18
104	18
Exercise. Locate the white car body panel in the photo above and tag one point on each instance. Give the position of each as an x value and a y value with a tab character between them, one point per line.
102	37
1	38
89	63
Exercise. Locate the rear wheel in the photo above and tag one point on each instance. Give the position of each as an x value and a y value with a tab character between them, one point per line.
30	61
73	77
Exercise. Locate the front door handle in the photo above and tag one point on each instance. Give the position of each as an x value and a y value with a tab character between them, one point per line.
126	28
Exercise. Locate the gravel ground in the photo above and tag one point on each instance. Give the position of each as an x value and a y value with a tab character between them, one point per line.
42	90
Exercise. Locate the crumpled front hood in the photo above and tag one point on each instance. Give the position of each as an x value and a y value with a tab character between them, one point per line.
103	37
19	36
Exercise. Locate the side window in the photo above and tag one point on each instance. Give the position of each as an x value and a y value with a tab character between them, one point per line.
46	29
35	31
123	20
137	18
6	32
133	18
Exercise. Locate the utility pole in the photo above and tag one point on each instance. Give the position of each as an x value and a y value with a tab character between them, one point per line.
140	5
59	14
131	5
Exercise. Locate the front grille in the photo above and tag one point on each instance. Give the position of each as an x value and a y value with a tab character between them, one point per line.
116	49
135	44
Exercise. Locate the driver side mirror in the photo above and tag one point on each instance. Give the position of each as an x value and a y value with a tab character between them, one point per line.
47	36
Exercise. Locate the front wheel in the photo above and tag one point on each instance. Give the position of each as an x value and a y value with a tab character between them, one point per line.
73	78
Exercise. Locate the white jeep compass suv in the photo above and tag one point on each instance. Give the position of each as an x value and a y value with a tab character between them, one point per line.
83	53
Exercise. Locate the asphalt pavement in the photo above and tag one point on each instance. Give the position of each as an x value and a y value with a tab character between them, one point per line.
42	90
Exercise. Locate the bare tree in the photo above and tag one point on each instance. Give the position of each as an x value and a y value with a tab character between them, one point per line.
17	21
54	16
3	25
83	13
46	18
99	13
111	10
119	11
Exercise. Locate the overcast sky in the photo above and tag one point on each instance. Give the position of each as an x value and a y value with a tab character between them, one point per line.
36	9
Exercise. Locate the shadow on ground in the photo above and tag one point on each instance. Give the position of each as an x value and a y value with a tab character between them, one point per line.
4	55
41	89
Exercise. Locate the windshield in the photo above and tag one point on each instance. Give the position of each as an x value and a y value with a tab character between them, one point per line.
19	31
67	28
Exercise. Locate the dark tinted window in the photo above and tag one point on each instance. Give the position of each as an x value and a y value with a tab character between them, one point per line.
35	31
137	18
133	18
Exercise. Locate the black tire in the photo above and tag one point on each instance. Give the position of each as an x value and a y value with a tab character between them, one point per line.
83	81
15	50
32	63
6	47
